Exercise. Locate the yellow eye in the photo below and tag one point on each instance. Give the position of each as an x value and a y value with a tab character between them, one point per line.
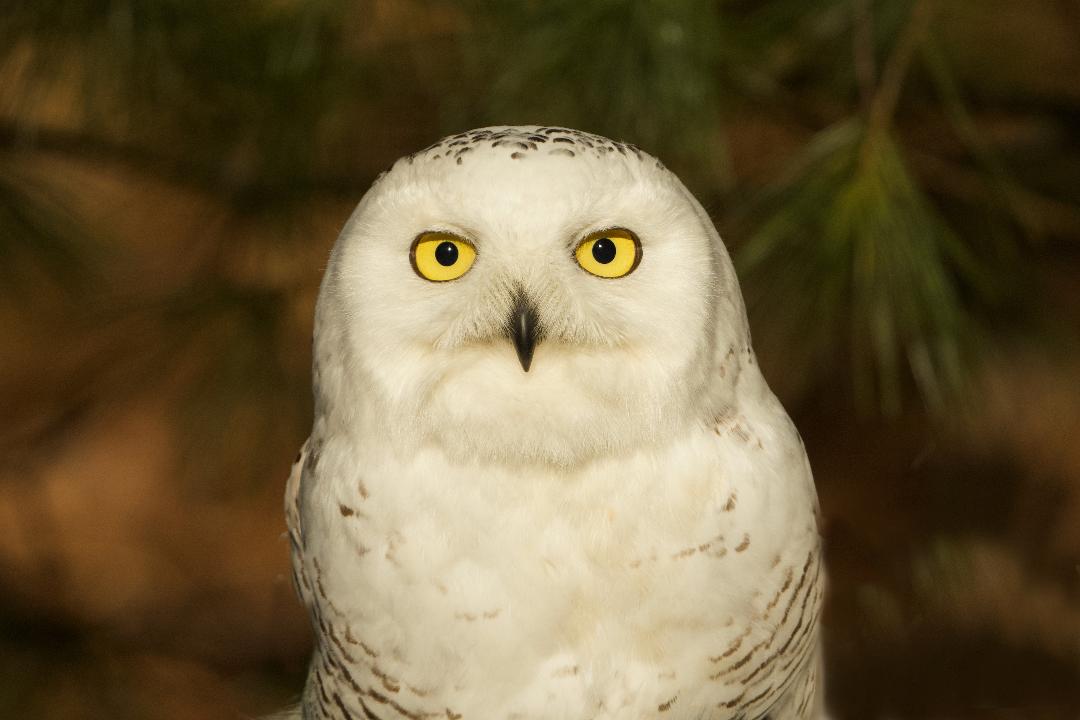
609	253
439	256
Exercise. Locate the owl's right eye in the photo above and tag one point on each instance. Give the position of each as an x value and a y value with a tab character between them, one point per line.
440	256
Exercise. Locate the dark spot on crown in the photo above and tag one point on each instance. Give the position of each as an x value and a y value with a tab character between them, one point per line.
524	141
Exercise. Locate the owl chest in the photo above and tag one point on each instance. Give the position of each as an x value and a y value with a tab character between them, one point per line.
623	589
566	559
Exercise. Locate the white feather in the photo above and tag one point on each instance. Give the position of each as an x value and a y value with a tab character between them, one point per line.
603	536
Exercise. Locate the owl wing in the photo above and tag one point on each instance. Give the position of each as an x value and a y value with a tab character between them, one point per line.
805	698
295	529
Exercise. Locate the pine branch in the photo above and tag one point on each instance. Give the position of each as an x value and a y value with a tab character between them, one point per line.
1044	215
883	105
15	137
863	51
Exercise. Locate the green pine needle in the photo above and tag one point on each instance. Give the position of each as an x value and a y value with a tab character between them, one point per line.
862	266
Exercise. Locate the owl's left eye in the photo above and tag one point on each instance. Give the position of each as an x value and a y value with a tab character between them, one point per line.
611	253
440	256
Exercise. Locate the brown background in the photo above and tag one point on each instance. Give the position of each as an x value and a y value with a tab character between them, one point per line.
165	213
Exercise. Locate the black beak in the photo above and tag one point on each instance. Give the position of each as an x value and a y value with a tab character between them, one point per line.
523	326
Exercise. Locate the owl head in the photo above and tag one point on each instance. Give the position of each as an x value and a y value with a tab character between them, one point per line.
527	294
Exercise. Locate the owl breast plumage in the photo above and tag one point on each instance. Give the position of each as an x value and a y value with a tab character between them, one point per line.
546	478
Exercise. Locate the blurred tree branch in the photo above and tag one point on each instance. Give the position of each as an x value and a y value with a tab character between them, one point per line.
863	51
887	95
852	232
182	171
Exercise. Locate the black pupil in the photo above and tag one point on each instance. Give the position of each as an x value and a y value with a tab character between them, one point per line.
603	251
446	253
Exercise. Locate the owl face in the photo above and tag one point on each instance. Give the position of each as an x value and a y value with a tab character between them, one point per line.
526	299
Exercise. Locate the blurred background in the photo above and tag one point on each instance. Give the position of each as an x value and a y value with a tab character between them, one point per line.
898	180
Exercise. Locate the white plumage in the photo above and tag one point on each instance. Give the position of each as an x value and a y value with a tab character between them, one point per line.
626	530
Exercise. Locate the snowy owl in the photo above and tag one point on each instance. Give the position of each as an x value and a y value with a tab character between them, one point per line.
546	479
